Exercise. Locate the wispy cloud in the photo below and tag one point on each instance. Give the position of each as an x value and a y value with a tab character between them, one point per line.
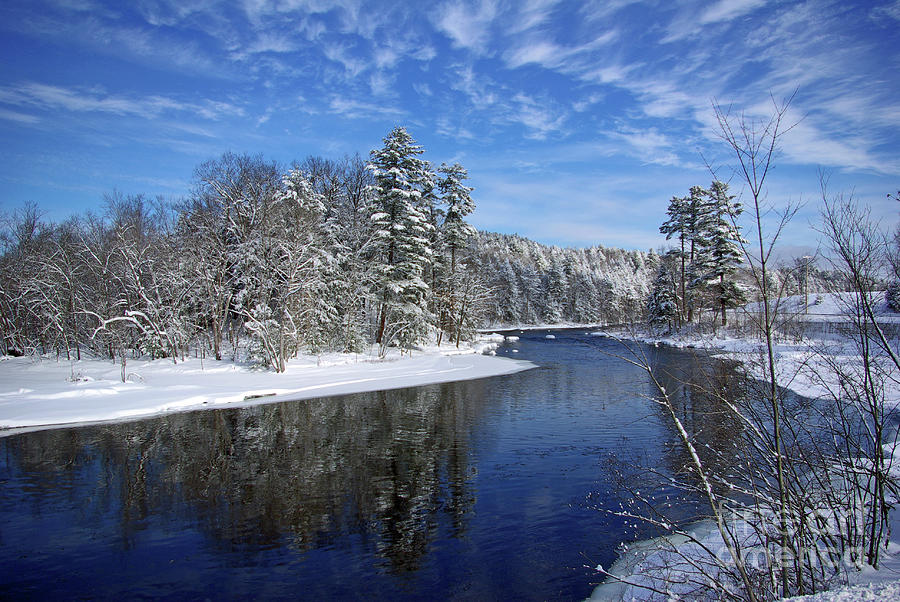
533	13
887	12
341	53
479	89
467	23
539	118
807	144
536	90
649	145
354	109
95	100
382	84
18	117
550	55
726	10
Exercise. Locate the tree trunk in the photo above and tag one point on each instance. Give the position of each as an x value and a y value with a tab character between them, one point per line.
722	290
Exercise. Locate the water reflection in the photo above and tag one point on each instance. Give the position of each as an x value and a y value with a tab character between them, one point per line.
463	490
382	467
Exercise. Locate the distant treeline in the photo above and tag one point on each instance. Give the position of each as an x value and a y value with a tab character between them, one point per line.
540	284
263	261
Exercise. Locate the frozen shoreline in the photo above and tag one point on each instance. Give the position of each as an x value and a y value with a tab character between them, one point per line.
802	367
44	393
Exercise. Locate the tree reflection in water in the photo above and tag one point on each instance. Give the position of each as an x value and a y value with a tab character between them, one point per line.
380	466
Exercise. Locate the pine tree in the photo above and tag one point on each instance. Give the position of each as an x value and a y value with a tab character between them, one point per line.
723	251
688	221
697	212
402	237
455	233
456	196
662	306
676	227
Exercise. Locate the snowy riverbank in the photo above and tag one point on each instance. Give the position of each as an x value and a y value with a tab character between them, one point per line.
806	367
40	393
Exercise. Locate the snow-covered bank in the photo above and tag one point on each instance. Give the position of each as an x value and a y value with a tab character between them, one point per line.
813	367
37	393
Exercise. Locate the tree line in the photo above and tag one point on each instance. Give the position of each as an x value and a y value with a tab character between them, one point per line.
326	255
263	263
542	284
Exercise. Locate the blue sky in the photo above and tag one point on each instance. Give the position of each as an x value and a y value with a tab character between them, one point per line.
577	121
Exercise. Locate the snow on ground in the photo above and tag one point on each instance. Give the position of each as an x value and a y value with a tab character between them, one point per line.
827	307
44	393
869	592
802	366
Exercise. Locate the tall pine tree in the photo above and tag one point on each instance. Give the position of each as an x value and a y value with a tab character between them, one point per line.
455	234
676	226
723	249
402	237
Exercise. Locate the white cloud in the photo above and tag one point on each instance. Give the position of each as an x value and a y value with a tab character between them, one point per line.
549	55
268	42
889	11
478	89
580	106
354	109
609	74
542	53
726	10
807	145
532	13
688	23
648	145
381	84
454	131
18	117
385	57
539	118
600	10
340	53
467	25
81	100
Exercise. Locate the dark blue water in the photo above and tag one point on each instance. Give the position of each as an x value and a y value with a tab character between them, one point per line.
489	489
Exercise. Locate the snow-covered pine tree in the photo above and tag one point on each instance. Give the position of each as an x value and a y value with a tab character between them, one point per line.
402	240
436	268
455	235
508	308
457	197
892	295
676	227
697	215
722	245
662	306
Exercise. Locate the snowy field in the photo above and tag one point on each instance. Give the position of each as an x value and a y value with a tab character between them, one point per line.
42	393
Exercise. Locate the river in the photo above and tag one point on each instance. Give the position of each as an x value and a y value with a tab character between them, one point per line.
498	488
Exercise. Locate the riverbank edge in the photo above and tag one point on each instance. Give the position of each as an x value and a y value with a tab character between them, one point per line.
39	393
745	351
